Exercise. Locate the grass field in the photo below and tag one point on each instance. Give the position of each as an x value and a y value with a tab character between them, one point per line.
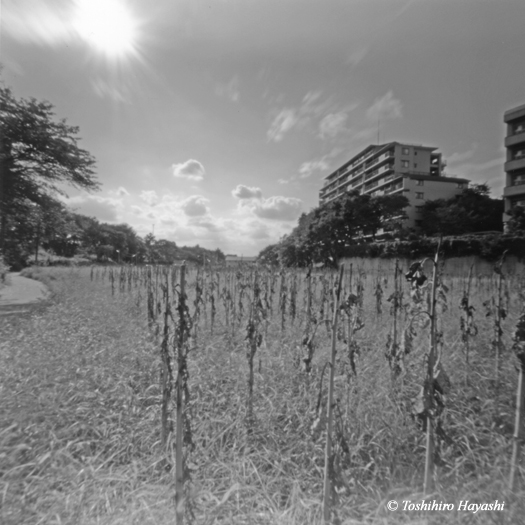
80	410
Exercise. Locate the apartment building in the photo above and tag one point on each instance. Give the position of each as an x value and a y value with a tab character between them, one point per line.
514	191
415	171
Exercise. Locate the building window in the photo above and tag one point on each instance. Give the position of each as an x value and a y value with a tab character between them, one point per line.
460	185
419	209
405	151
519	180
404	163
420	182
420	195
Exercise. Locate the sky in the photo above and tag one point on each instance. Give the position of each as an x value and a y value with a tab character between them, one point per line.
215	122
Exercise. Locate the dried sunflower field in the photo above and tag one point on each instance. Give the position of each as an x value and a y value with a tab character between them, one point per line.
153	395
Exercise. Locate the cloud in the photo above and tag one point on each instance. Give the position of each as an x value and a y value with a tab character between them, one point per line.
122	192
150	197
307	168
386	107
102	208
459	158
282	123
332	124
277	208
229	90
195	206
283	181
298	118
244	192
191	170
206	223
119	192
274	208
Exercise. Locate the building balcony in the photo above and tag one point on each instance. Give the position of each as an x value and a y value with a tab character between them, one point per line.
381	159
512	191
517	138
515	164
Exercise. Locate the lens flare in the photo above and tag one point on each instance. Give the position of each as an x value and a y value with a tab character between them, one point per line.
107	25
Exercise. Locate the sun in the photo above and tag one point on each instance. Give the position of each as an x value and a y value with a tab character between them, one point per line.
108	25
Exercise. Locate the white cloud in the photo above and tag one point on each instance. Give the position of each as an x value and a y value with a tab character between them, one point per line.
307	168
298	118
386	107
277	208
150	197
122	192
332	124
195	206
244	192
191	170
459	158
282	123
229	90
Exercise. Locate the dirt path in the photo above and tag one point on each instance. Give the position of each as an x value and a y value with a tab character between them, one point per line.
21	294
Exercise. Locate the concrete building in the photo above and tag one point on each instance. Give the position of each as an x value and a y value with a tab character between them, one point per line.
412	170
235	260
514	192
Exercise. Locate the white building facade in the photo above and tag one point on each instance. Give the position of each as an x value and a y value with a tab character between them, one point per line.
414	171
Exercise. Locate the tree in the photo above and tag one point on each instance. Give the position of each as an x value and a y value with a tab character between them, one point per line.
473	210
37	155
167	251
516	223
269	255
350	219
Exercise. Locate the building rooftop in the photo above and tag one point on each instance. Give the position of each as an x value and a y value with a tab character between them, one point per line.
238	258
512	113
376	148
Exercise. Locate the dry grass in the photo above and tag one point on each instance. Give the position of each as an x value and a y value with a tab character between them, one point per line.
80	419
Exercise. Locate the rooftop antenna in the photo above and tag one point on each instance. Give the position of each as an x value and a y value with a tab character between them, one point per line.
378	128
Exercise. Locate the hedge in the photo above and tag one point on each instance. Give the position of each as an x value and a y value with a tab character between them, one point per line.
489	247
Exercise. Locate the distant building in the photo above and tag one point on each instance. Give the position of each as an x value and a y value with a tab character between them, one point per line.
235	260
411	170
514	192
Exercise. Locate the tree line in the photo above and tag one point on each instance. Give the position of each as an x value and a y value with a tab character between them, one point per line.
333	230
39	156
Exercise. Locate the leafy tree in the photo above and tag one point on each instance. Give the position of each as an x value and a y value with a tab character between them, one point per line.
269	255
167	251
38	154
473	210
516	223
323	234
351	219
